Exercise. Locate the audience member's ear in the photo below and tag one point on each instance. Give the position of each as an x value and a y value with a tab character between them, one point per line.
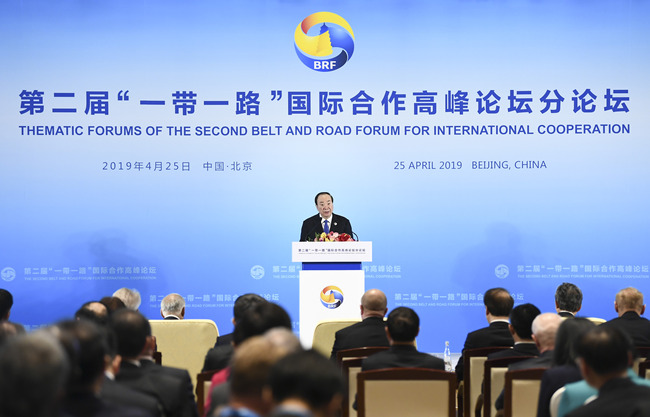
161	314
511	329
642	310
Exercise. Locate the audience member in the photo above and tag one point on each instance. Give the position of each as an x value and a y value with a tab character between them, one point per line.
402	326
604	355
6	302
371	331
629	306
112	304
305	384
544	332
498	305
130	297
33	369
9	329
219	356
172	307
93	311
86	349
521	329
251	365
564	368
172	388
568	300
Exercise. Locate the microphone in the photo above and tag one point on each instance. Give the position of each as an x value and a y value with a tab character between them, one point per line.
355	236
312	232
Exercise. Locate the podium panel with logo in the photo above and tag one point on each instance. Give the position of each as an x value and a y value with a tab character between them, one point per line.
331	282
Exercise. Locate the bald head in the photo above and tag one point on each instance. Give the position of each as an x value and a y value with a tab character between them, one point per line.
373	304
629	299
544	330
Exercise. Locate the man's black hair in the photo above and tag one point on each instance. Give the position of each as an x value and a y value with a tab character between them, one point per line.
323	193
566	339
85	313
244	302
521	319
403	324
85	344
131	330
258	319
308	376
6	302
605	349
498	301
568	297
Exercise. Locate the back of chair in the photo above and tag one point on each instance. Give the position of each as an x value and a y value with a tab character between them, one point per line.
596	320
349	361
203	381
522	392
184	343
324	334
473	360
494	381
412	392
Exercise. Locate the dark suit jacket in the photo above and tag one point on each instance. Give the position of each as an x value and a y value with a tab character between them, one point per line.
542	361
496	334
171	318
218	358
566	314
519	349
180	374
120	394
637	327
313	225
171	392
552	380
401	356
619	397
369	332
224	340
90	405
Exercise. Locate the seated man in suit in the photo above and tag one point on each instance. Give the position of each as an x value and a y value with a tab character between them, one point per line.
325	221
521	329
545	328
130	297
305	384
371	331
568	300
93	311
172	307
402	326
172	387
498	305
219	356
604	355
629	306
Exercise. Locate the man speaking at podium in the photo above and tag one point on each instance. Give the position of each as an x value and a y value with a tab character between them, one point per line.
325	221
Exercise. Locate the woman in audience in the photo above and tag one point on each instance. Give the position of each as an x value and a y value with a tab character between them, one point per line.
564	369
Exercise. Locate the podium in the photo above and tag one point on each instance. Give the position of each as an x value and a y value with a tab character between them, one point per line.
331	282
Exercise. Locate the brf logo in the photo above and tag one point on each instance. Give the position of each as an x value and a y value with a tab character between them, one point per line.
331	297
328	46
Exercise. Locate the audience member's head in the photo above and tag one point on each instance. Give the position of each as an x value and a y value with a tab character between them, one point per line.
307	380
568	298
93	311
521	321
6	302
9	329
33	369
402	325
132	332
243	303
566	339
173	305
250	369
498	303
258	319
129	296
85	344
112	304
373	304
629	299
605	352
545	330
284	339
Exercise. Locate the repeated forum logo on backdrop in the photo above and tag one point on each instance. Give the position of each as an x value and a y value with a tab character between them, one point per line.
330	48
331	296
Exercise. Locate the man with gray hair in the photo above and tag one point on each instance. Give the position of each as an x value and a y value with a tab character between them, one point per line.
130	297
629	306
172	307
34	369
568	300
